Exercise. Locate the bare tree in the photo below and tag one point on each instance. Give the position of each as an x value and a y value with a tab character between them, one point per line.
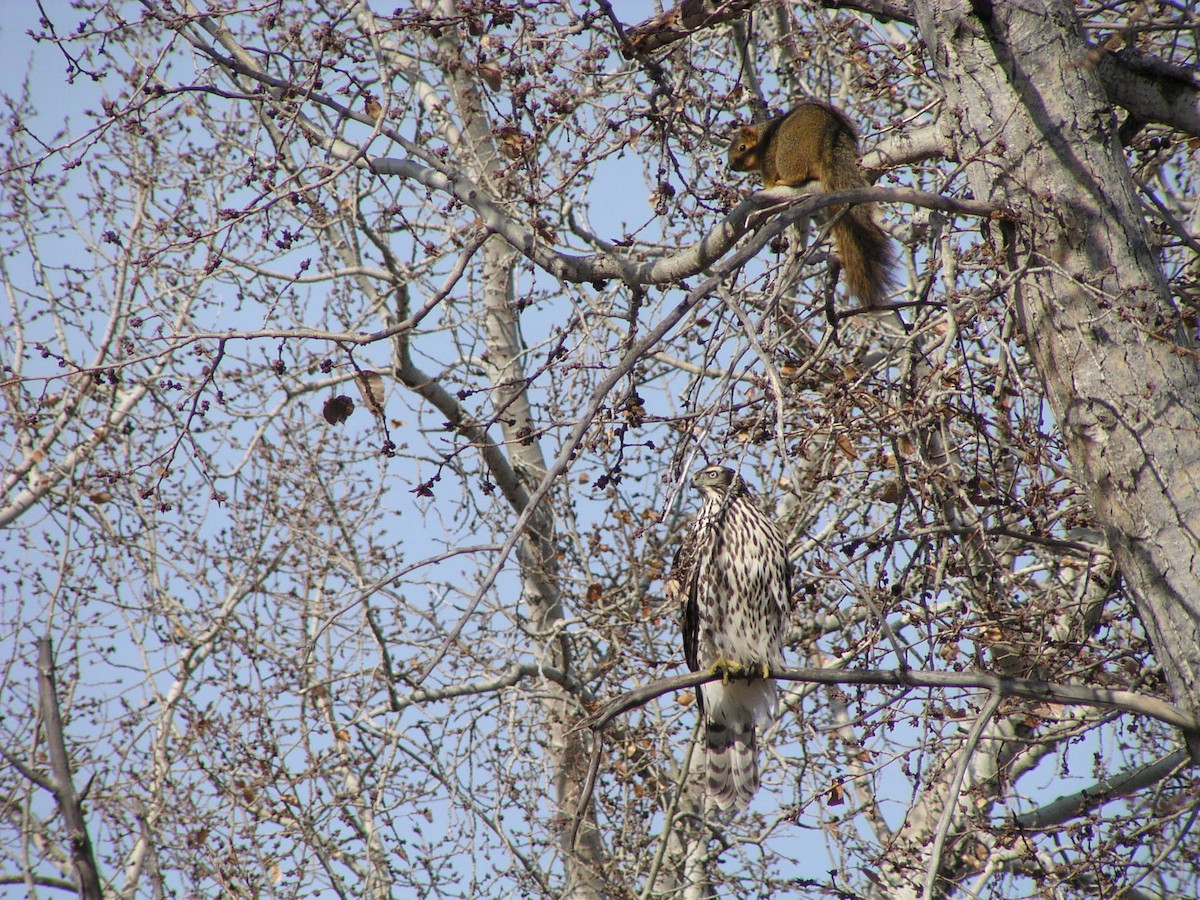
355	363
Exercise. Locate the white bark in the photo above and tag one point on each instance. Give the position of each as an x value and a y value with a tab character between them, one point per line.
1039	137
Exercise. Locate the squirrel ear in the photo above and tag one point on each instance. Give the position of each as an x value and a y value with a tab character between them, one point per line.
745	134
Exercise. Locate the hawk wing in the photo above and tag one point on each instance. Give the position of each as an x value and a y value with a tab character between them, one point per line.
681	587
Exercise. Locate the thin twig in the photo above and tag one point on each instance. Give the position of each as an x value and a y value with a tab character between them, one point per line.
951	800
672	811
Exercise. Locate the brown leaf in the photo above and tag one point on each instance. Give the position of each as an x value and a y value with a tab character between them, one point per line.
337	409
370	385
835	796
513	143
492	75
888	491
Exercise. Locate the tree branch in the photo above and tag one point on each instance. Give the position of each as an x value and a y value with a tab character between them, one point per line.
691	16
954	792
60	764
681	21
688	262
511	676
1071	806
1026	688
1151	89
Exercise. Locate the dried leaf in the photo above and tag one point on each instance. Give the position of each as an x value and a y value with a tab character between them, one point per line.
513	143
492	75
888	491
337	409
370	385
835	796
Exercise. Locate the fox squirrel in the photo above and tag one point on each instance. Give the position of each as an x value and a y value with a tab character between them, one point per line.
815	142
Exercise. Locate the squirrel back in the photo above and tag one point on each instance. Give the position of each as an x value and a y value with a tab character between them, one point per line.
815	142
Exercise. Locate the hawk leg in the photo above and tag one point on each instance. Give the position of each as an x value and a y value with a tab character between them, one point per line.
726	668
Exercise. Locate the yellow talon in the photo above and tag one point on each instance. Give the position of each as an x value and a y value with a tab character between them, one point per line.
726	668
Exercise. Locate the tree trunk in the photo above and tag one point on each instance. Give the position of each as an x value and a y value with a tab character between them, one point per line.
1036	133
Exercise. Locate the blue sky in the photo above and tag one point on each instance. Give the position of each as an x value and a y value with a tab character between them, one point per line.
57	99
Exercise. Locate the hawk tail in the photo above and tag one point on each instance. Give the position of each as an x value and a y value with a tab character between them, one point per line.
730	741
731	760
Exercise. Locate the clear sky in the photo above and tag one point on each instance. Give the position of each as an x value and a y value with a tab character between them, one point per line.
45	67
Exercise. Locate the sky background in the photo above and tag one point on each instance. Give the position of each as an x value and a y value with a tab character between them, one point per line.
44	66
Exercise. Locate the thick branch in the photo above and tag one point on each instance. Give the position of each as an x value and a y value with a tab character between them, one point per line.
688	262
64	790
691	16
908	146
681	21
1072	806
1151	89
1026	688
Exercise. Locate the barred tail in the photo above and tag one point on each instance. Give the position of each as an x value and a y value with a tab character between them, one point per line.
866	254
731	755
730	740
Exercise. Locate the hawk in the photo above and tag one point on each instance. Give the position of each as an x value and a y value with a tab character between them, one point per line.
732	574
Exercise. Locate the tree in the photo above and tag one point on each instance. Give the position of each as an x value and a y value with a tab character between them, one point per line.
355	363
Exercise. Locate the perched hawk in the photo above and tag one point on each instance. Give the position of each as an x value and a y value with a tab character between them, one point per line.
732	574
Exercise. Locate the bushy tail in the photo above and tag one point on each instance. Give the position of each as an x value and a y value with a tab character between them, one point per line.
731	754
866	254
864	248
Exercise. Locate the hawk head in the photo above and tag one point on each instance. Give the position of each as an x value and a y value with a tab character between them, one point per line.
718	482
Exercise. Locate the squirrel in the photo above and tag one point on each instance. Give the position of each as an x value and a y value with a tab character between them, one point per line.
815	142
